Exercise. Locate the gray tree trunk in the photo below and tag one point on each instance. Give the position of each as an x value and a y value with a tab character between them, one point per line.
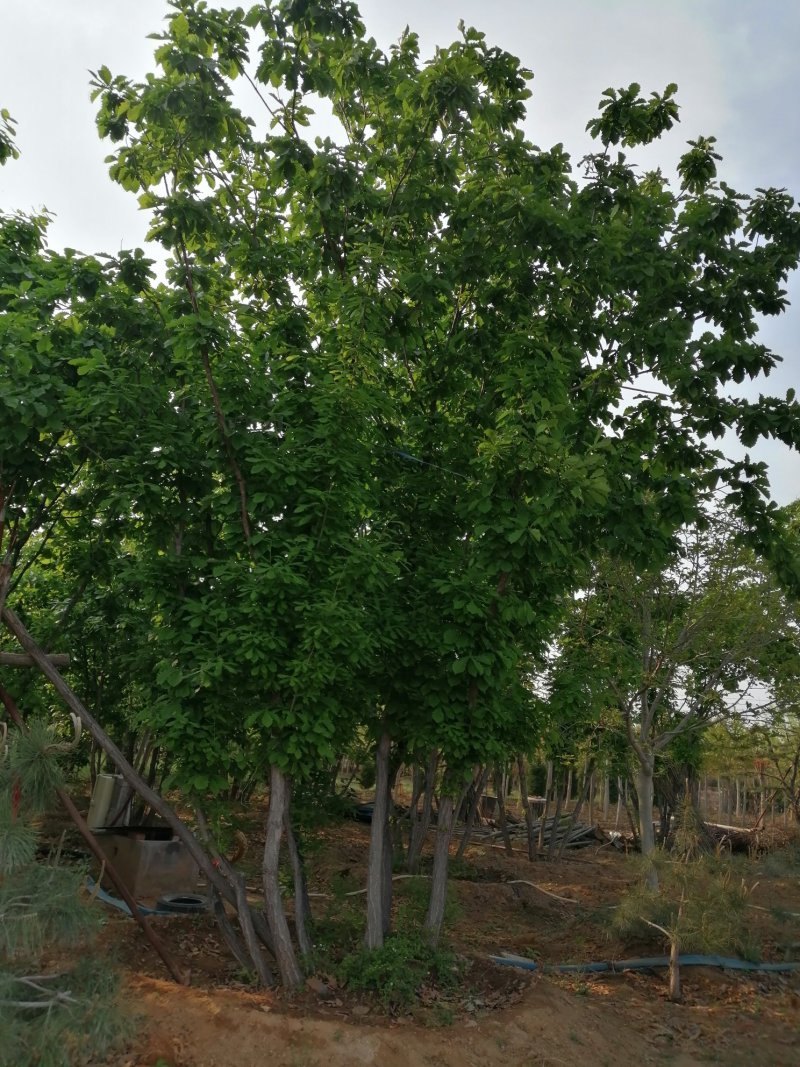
472	815
376	869
388	864
302	904
551	849
499	784
279	799
647	837
441	859
420	827
526	806
619	804
572	822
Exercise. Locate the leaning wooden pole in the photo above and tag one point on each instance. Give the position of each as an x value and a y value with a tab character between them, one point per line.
180	976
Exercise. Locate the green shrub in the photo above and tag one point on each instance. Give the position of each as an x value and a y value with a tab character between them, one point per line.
397	971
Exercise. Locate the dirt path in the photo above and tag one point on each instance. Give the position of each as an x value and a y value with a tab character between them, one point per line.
549	1028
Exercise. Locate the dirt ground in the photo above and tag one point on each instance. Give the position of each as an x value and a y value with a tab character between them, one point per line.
496	1015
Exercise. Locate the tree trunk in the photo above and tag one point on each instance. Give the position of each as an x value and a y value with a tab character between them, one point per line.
302	905
420	827
499	783
644	790
279	798
441	858
247	919
549	794
229	935
572	822
388	851
619	804
526	806
376	869
630	813
551	850
474	807
674	970
606	797
417	785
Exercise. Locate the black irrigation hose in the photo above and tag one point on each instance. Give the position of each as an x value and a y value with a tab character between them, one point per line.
643	964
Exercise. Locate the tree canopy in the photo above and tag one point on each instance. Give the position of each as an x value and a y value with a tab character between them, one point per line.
393	393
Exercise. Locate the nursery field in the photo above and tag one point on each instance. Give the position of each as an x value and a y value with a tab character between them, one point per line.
480	1013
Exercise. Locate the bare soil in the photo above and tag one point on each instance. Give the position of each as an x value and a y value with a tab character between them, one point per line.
496	1015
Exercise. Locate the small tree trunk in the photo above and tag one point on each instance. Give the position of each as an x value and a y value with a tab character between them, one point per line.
419	828
499	782
417	785
387	888
549	791
229	935
630	813
302	904
551	851
674	970
248	927
376	872
606	797
619	804
474	807
644	789
568	794
441	858
526	805
572	822
279	796
247	919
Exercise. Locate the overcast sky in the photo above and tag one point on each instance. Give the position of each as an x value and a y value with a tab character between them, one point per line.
735	62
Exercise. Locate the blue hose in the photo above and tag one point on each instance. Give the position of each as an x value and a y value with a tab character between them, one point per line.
644	964
114	902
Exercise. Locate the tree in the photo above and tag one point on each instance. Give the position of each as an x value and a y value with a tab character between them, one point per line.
682	647
380	429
